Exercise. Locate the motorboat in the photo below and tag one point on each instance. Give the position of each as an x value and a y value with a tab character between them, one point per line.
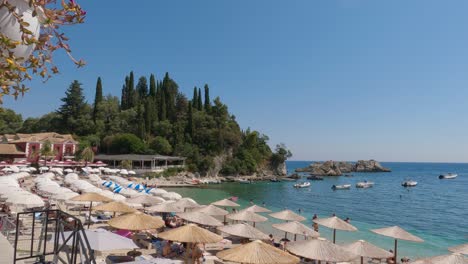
275	180
341	187
409	183
244	181
364	184
315	178
302	185
448	176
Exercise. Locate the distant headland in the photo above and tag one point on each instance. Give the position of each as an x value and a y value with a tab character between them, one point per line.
337	168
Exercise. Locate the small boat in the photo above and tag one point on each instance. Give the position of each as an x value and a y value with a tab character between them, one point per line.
364	184
448	176
275	180
302	185
244	181
315	178
341	187
409	183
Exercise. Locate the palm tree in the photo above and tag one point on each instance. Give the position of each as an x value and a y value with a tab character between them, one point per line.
87	155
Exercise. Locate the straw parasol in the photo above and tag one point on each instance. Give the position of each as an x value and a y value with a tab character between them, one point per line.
462	249
257	209
200	218
320	249
90	197
190	233
211	210
185	203
243	230
146	200
116	207
335	223
225	203
296	228
247	216
454	258
366	249
288	215
136	222
397	232
257	252
166	207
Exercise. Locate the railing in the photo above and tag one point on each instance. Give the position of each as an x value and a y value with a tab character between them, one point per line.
51	234
7	225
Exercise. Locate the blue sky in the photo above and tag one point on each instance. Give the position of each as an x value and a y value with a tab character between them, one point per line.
343	79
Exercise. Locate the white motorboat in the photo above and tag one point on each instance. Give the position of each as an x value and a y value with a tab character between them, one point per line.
244	181
341	187
302	185
448	176
364	184
409	183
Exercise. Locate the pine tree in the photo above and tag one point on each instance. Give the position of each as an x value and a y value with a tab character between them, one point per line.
152	91
195	98
190	120
97	98
142	88
73	106
207	98
199	100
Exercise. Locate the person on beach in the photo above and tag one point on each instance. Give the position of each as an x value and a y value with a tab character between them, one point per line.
271	239
315	225
251	202
197	253
347	220
167	251
391	260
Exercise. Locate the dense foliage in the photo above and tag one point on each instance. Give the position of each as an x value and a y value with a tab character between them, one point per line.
155	118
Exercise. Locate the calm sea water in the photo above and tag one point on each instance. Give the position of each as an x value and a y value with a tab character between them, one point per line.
436	210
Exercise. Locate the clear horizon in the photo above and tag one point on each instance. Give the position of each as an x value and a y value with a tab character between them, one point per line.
333	80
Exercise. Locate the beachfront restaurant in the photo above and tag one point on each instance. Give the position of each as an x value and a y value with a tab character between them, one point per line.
143	163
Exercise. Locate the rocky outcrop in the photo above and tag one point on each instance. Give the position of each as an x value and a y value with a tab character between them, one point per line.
337	168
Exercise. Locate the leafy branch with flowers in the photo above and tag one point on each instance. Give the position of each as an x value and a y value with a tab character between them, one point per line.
30	33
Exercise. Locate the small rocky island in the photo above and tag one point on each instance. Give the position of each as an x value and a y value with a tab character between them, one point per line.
337	168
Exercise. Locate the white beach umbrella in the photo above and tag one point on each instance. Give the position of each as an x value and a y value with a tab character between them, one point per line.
131	172
172	196
28	201
68	170
123	172
64	196
145	199
103	240
158	191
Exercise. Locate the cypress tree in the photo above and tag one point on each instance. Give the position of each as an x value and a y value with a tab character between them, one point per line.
195	98
190	120
123	98
207	98
199	100
162	109
131	91
152	91
141	122
142	88
149	114
97	98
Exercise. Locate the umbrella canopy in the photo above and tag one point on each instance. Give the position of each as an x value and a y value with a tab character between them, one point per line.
454	258
462	249
91	197
243	230
225	203
136	222
296	228
257	209
200	218
366	249
117	207
247	216
167	207
320	249
335	223
190	234
146	200
211	210
397	232
27	200
186	203
103	240
288	215
64	196
257	252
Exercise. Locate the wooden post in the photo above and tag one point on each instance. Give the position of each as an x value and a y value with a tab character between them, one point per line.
334	236
89	218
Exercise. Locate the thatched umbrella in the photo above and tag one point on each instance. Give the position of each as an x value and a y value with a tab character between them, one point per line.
225	203
190	233
257	209
247	216
454	258
335	223
185	203
146	200
115	207
211	210
257	252
288	215
136	222
90	197
397	232
200	218
296	228
320	249
366	249
166	207
462	249
243	230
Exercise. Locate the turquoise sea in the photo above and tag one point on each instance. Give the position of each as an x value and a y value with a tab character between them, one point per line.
436	210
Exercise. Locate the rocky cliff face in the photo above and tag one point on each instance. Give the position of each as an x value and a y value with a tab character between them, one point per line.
337	168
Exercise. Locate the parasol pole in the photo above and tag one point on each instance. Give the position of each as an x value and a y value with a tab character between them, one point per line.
89	218
396	247
334	236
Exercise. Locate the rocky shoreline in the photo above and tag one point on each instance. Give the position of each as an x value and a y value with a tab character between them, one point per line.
338	168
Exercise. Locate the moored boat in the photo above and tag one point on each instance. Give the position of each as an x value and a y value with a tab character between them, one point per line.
364	184
341	187
244	181
448	176
302	185
409	183
275	180
315	178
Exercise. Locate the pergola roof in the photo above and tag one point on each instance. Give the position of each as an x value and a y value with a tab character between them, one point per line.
137	157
